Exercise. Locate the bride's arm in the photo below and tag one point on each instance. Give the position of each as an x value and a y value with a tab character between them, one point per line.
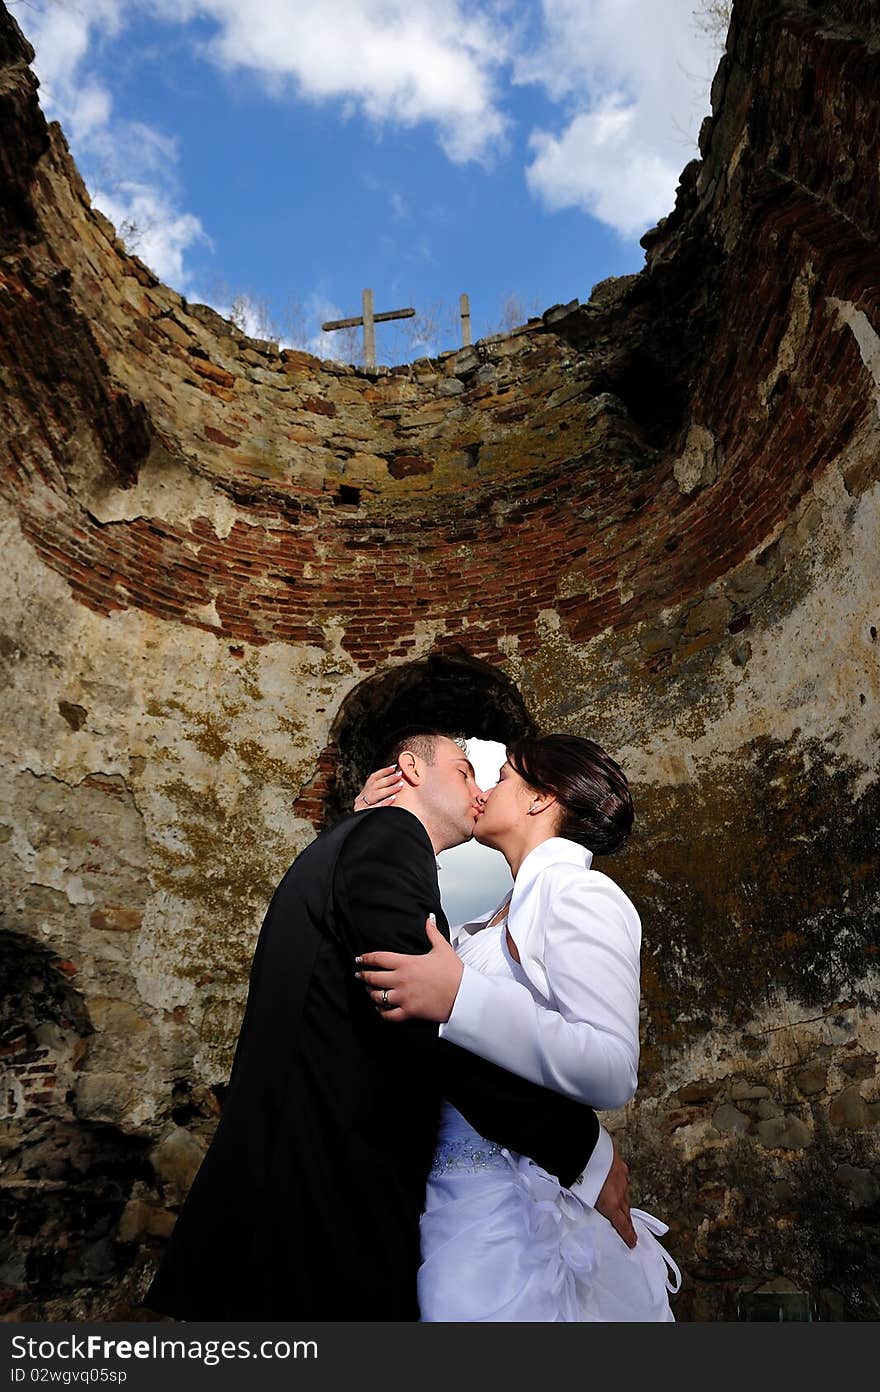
587	1046
380	789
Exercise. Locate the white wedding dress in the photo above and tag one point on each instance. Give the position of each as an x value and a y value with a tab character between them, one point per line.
503	1241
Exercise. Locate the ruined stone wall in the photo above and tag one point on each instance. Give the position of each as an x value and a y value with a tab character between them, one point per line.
651	518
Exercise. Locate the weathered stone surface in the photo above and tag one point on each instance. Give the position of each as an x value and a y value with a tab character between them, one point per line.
116	918
710	616
862	1186
783	1133
144	1220
766	1109
652	518
698	466
176	1161
812	1080
860	1066
731	1119
103	1097
849	1110
701	1090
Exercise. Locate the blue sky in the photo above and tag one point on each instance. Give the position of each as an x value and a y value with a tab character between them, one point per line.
275	157
472	877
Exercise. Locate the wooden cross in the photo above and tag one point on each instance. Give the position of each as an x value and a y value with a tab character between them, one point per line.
369	321
464	309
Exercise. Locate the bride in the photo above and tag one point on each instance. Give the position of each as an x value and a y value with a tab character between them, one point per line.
547	986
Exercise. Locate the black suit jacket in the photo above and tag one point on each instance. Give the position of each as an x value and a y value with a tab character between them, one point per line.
307	1203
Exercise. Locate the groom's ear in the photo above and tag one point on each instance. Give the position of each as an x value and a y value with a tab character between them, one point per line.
409	767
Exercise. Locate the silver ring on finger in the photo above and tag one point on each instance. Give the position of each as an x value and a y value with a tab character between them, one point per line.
385	1005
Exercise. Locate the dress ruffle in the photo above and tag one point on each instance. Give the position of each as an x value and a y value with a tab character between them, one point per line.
503	1240
558	1242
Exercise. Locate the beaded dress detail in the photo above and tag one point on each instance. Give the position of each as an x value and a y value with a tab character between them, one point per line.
459	1146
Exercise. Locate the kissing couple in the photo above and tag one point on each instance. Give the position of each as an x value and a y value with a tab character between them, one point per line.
409	1130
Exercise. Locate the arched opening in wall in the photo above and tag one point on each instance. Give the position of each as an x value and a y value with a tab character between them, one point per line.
448	691
43	1020
67	1180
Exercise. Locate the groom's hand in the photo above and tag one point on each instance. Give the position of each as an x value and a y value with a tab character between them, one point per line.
614	1201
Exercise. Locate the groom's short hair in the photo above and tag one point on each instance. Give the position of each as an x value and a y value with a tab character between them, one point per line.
418	739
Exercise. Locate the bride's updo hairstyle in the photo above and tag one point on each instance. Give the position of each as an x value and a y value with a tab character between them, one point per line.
591	789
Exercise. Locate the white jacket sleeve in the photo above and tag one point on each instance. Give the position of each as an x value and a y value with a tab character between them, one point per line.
585	1042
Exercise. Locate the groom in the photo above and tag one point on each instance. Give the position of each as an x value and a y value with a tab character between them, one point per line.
307	1203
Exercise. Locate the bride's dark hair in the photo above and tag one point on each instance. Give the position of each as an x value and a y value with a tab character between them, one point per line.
591	789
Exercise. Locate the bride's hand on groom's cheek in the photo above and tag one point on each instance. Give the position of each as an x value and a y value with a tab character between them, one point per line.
380	789
419	986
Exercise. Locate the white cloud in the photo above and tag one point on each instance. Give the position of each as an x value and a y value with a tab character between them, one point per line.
152	227
397	205
297	325
61	36
634	78
317	309
598	164
400	209
398	61
487	756
129	166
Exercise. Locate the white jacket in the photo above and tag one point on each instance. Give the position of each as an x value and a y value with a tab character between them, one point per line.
575	1028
